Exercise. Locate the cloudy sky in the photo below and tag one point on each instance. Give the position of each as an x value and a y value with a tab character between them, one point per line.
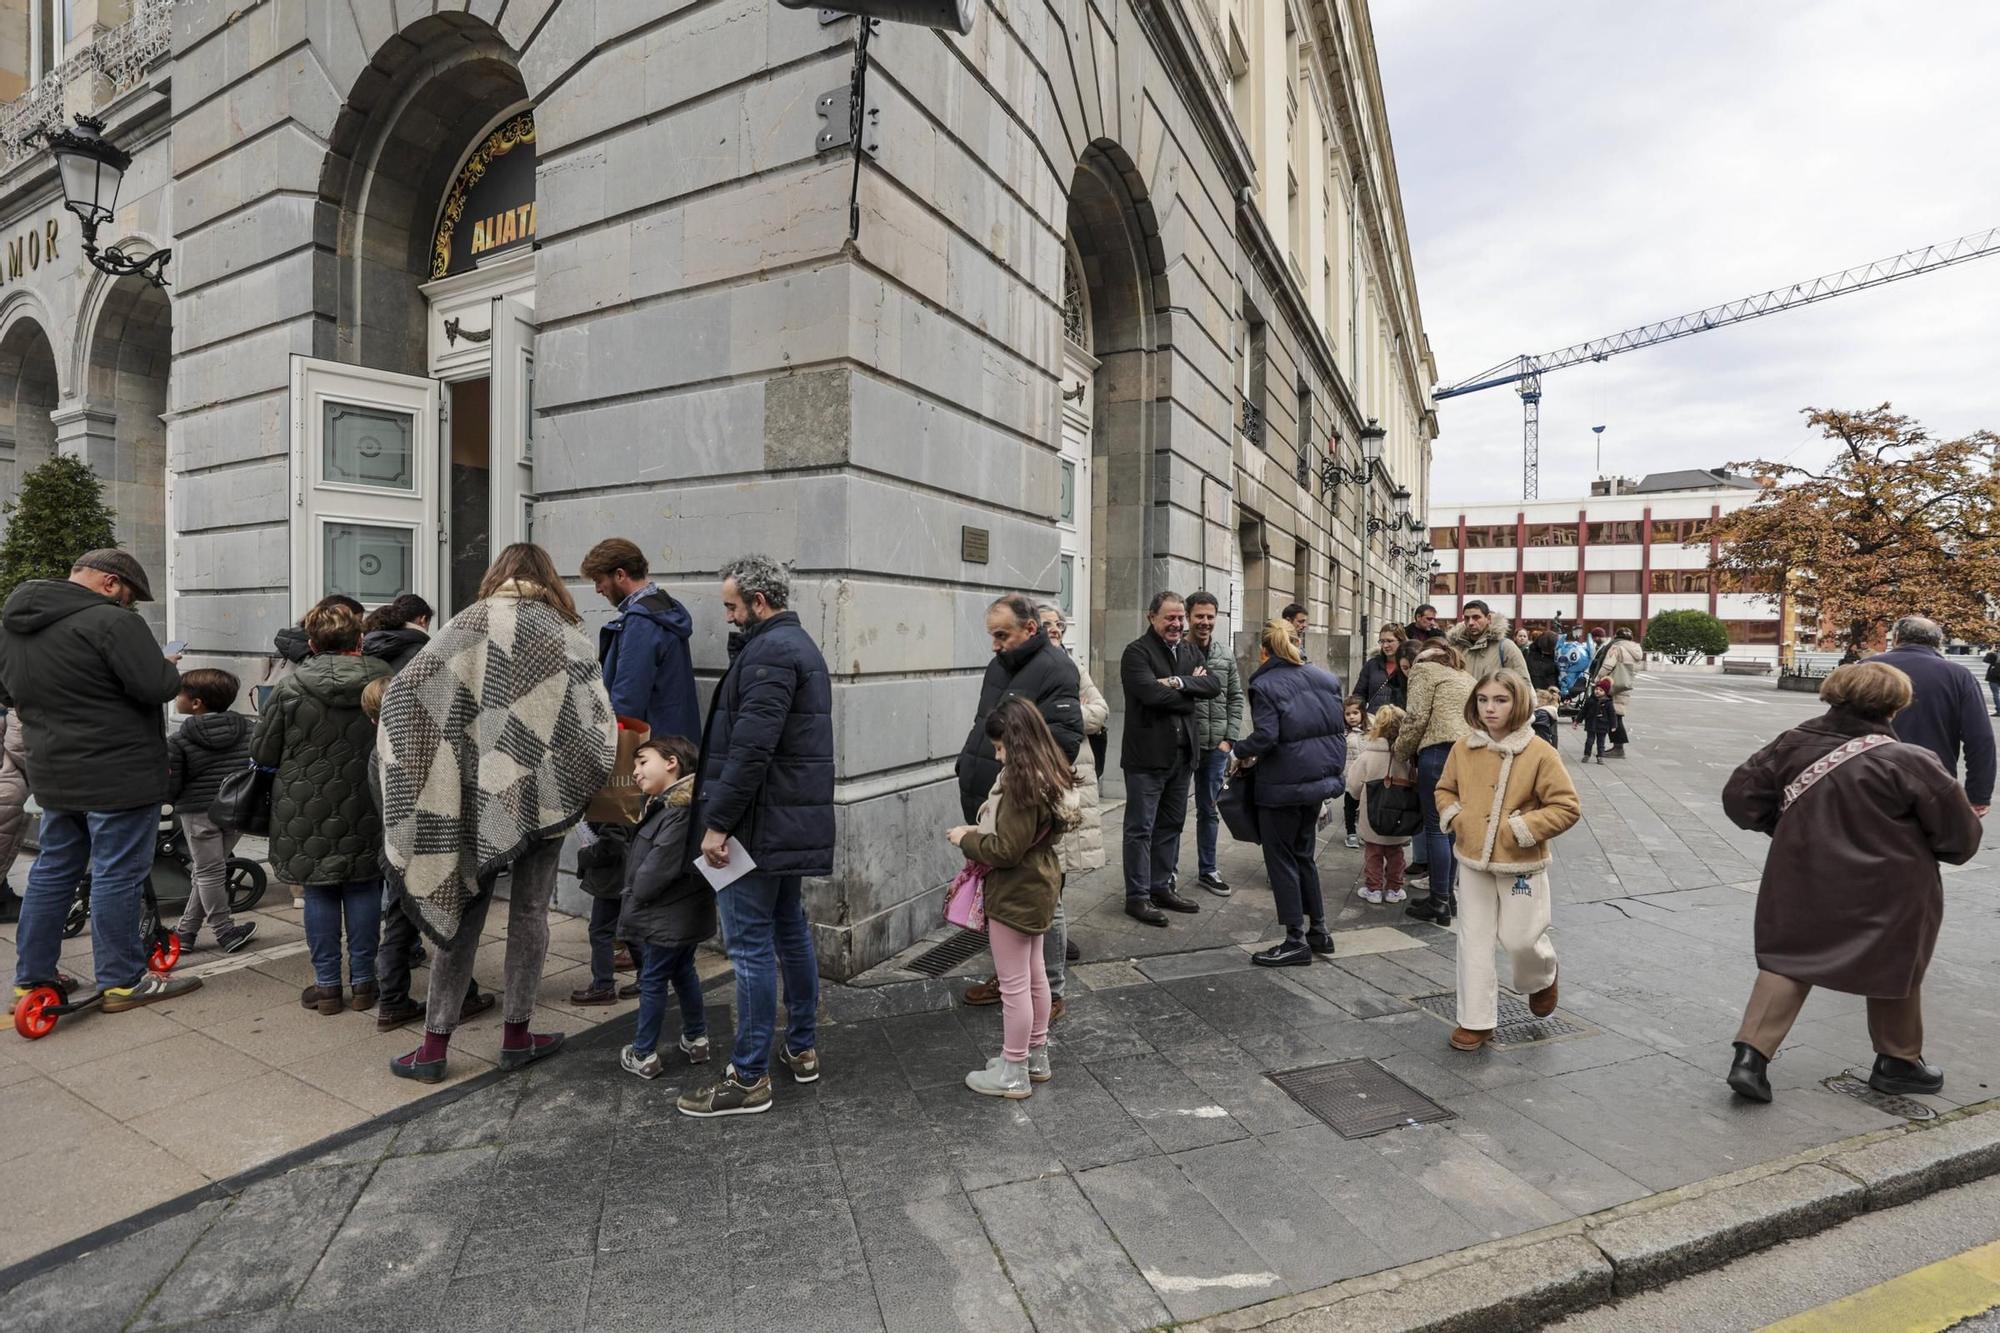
1570	170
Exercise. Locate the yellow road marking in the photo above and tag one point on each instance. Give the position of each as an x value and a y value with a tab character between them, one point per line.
1926	1300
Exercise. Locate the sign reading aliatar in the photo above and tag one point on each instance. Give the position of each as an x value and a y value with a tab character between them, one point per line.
490	207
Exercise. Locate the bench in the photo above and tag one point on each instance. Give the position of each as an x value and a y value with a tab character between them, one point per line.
1745	666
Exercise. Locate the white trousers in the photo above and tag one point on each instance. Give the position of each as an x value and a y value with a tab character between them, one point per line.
1490	913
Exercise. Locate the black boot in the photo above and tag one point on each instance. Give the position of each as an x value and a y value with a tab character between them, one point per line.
1746	1074
1905	1076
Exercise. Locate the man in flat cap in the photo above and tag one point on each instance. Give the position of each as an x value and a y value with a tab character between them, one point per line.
88	682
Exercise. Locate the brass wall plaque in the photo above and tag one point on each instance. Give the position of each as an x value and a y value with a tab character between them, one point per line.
973	545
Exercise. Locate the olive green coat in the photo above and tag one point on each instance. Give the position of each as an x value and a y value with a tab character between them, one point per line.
1026	878
325	828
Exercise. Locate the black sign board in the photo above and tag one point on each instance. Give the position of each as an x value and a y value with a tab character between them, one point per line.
490	207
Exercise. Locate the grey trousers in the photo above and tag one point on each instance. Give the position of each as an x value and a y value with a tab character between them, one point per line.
208	900
1055	952
532	883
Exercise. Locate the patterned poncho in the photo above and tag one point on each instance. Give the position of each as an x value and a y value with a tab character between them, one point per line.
492	739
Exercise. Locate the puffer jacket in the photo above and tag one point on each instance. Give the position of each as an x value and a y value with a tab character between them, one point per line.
666	903
394	646
1436	710
1504	799
1298	734
1492	651
1025	879
767	751
207	748
324	825
1039	672
1221	718
1082	848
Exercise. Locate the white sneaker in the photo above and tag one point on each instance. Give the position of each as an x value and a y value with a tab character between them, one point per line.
1353	842
1371	896
648	1068
1394	896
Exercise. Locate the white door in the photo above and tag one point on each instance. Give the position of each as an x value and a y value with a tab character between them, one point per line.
513	443
1075	505
364	478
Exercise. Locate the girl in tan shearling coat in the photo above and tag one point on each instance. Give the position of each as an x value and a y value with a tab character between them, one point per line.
1504	796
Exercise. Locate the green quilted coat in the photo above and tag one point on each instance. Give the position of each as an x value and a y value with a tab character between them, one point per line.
324	825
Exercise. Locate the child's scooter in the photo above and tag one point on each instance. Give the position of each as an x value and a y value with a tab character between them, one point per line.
48	1000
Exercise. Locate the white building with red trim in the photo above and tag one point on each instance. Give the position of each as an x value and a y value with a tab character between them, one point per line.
1619	557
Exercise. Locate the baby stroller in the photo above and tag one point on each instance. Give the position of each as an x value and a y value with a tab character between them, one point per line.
171	881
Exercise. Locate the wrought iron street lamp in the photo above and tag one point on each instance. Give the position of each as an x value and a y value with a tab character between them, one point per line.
92	168
1332	474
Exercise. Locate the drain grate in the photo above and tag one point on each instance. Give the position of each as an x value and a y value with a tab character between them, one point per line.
1854	1084
1517	1026
1358	1098
962	947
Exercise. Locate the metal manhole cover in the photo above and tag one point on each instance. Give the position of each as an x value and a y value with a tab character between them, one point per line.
965	945
1854	1084
1517	1027
1358	1098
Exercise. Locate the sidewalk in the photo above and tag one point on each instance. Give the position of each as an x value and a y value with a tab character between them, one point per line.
1160	1177
145	1106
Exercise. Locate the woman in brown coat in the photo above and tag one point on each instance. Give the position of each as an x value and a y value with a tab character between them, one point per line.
1851	897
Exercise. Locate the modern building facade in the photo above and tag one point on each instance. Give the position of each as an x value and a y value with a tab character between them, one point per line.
1117	300
1622	556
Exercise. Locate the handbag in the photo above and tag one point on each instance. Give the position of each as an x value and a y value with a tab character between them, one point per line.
965	901
1237	804
619	800
242	803
1393	808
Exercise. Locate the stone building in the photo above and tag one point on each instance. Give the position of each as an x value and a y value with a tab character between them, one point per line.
1129	294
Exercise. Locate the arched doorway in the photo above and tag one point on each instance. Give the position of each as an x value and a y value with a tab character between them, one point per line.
416	435
120	428
1077	509
28	394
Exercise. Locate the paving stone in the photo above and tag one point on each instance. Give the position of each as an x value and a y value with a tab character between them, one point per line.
990	1140
527	1296
1544	1159
1084	1284
451	1181
1479	1189
1262	1188
1237	1082
105	1287
933	1049
641	1289
383	1252
934	1268
644	1208
815	1266
1083	1123
1175	1113
1372	1195
1185	1249
481	1116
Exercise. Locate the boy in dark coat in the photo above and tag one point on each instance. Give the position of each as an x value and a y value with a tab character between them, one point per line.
668	909
209	746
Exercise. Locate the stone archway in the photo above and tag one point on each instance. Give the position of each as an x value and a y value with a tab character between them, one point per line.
1115	244
29	393
119	424
408	122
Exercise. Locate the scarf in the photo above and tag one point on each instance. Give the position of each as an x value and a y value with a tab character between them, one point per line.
492	740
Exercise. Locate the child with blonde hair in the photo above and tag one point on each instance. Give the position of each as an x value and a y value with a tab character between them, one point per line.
1370	761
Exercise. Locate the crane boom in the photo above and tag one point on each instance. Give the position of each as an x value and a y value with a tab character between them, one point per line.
1526	371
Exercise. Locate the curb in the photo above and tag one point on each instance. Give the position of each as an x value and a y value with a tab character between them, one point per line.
1525	1281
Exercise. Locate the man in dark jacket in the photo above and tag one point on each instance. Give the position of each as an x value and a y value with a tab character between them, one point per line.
767	780
1163	676
1025	662
89	682
1946	716
1425	626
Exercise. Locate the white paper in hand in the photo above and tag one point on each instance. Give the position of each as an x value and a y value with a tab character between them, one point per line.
721	878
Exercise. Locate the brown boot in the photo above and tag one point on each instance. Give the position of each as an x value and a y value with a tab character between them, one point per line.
983	992
1466	1039
1543	1002
1055	1010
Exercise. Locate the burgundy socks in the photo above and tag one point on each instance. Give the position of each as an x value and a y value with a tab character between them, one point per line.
434	1047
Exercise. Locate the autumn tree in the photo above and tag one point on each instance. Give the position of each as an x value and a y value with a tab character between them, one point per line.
1895	523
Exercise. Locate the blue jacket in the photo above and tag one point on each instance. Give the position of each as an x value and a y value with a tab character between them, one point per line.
767	752
647	669
1298	734
1949	712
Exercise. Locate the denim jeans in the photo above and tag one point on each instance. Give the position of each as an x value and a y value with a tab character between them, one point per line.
1155	812
360	904
603	926
658	967
764	925
1430	767
115	847
1208	771
1994	688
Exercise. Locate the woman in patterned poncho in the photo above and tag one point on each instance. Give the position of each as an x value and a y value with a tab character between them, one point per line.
493	740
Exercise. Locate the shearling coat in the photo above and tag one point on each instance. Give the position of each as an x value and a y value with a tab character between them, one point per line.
1495	650
1436	708
1851	896
1618	661
1504	799
1082	848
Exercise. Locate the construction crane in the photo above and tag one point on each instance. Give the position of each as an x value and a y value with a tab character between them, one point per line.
1525	372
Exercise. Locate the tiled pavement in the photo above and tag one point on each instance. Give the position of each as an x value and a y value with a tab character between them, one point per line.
1159	1177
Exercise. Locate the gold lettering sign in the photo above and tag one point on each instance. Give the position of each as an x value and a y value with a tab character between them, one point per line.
497	186
505	228
27	250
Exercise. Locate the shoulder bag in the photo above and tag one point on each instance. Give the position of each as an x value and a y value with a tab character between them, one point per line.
242	803
1827	762
1393	809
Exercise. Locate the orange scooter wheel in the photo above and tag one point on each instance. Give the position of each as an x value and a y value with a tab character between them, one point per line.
32	1018
166	952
